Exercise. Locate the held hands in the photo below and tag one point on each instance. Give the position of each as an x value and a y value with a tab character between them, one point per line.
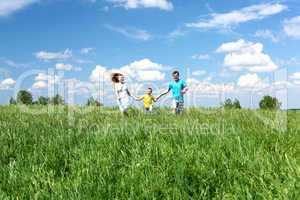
137	98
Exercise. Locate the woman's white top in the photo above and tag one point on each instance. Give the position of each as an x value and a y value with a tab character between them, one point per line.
122	95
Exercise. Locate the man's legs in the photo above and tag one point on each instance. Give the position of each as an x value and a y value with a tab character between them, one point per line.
177	107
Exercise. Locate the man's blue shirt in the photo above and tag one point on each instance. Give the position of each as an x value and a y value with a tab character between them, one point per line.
176	88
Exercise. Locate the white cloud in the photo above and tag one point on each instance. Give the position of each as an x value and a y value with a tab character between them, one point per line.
40	85
46	56
142	70
8	7
201	57
133	33
291	27
246	55
199	73
249	81
267	34
295	77
87	50
227	20
133	4
198	87
7	84
100	74
67	67
50	79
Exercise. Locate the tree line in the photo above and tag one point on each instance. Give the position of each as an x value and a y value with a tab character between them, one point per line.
25	97
267	102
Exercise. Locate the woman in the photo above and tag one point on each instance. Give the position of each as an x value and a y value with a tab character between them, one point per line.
121	91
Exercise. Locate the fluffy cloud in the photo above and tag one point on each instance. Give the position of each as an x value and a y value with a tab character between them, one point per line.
50	79
207	88
267	34
100	74
249	81
133	4
142	70
40	85
246	55
66	67
291	27
296	75
295	78
133	33
226	20
8	7
47	56
7	84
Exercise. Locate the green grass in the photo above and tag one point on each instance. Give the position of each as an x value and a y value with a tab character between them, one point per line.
202	154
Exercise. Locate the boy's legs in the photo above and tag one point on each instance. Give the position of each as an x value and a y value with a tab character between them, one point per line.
148	110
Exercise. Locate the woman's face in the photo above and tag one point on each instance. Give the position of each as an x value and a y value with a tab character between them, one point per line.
121	79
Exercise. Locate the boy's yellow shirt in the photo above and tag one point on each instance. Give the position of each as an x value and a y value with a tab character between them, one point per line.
148	100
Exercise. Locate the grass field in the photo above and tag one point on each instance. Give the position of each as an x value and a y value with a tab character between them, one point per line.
203	154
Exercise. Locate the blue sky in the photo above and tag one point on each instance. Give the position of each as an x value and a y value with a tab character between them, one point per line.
243	50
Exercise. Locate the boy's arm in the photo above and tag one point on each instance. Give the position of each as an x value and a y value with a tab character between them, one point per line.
138	98
154	99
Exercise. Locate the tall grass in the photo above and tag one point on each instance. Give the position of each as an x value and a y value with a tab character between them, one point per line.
202	154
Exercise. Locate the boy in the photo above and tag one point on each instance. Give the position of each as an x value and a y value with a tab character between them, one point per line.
148	100
178	88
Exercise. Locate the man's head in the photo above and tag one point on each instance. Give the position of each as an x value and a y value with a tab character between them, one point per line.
149	91
175	75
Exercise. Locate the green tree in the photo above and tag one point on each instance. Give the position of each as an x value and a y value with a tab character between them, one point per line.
268	102
24	97
236	104
57	100
12	101
229	104
43	100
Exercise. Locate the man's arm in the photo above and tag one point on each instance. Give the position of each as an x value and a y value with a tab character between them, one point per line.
163	94
184	88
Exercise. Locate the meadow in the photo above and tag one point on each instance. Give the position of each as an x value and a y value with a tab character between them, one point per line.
71	153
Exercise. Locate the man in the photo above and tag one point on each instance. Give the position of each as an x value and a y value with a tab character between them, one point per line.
178	88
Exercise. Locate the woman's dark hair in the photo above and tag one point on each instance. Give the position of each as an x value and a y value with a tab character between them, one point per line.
115	77
150	89
175	72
